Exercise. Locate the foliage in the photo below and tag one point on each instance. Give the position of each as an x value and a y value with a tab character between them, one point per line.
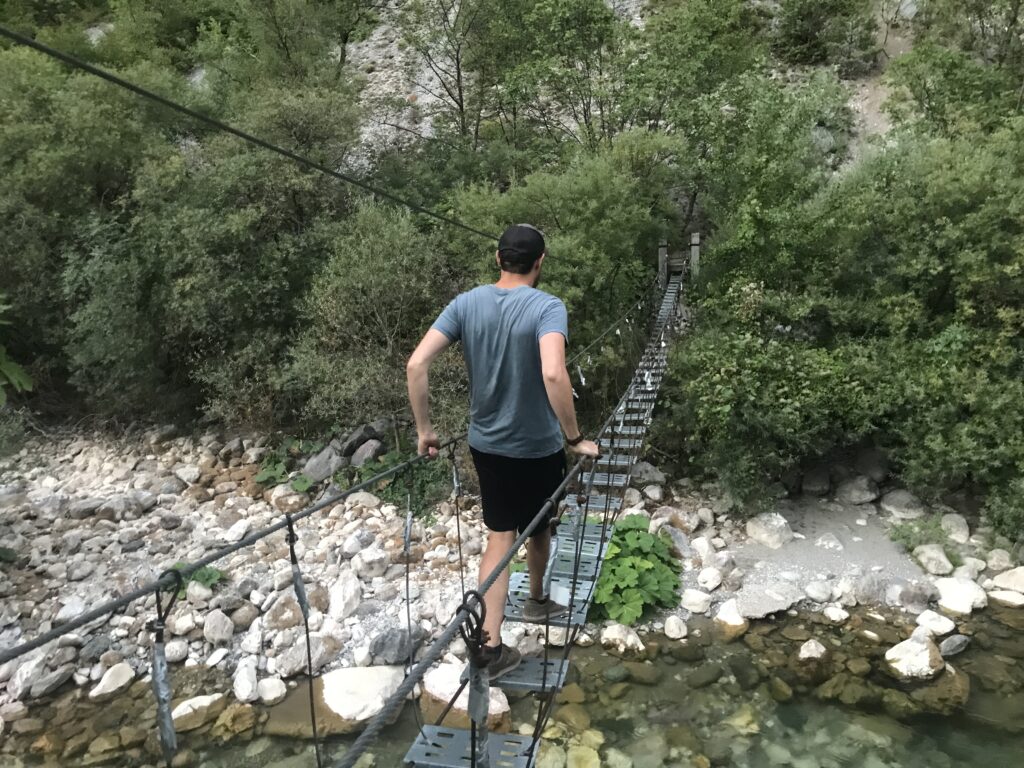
1005	508
274	468
208	576
423	484
886	306
912	534
12	431
12	375
840	32
915	533
381	284
639	573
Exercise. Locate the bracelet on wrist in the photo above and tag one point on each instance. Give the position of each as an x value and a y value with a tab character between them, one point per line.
575	441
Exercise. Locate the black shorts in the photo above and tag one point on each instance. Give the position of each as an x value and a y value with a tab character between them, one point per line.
514	490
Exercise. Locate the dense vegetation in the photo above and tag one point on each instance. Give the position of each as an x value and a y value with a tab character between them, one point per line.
154	267
886	304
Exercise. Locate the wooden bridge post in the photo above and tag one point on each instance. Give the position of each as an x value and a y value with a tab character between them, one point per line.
695	254
662	266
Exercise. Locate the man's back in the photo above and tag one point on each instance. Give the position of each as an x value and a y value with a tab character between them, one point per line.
500	330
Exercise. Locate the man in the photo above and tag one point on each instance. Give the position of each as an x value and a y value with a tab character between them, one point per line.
513	340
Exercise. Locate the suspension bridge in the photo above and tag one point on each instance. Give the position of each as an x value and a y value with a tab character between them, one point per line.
582	512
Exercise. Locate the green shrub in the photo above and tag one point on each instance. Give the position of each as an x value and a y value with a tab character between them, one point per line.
1005	508
12	431
839	32
383	284
427	482
928	530
208	576
639	573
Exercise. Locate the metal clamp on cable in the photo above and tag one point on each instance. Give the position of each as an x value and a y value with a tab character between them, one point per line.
478	707
161	681
300	587
303	601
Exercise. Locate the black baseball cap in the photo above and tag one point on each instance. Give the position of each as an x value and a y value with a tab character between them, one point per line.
521	243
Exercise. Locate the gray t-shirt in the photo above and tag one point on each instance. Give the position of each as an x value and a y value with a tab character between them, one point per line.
500	329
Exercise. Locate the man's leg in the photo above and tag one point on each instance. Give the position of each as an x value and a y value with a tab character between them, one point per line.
537	551
498	545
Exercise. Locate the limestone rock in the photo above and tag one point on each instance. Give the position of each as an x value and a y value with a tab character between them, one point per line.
1005	597
114	681
198	711
271	690
953	645
325	648
999	560
26	674
857	490
946	695
819	591
176	650
675	628
1012	580
654	492
709	579
960	596
916	658
367	452
903	505
440	684
218	627
284	613
324	464
623	640
835	614
933	559
728	622
644	473
357	694
770	529
370	563
345	595
935	623
956	527
812	650
582	757
244	683
695	601
756	601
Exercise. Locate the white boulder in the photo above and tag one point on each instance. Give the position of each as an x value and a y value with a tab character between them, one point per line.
1012	580
935	623
960	596
622	639
916	658
695	601
675	628
770	529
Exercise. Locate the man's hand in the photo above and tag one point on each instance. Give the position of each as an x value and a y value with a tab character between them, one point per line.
428	444
586	448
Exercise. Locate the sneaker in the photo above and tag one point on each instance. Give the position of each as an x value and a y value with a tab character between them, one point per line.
539	611
503	662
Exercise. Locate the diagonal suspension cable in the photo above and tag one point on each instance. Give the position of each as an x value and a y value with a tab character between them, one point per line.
120	82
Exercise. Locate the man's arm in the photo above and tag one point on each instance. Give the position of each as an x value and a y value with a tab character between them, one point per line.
559	389
432	345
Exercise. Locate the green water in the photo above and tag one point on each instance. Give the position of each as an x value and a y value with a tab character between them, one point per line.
746	704
737	721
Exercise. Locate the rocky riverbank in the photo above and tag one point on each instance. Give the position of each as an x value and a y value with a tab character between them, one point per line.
88	519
